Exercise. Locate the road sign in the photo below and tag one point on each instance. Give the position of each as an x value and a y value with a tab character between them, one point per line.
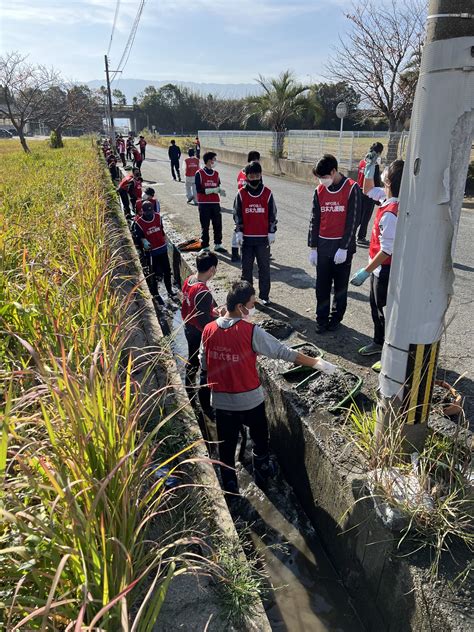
341	110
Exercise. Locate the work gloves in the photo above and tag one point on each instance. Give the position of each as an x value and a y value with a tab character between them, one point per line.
377	194
146	244
217	190
359	277
340	256
324	366
271	238
239	239
313	257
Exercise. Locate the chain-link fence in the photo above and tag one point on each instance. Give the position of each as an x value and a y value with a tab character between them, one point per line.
308	145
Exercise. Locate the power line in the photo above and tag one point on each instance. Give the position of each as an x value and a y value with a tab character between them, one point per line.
117	7
131	38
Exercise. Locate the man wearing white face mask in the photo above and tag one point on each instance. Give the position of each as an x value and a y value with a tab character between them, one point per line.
331	237
229	349
208	188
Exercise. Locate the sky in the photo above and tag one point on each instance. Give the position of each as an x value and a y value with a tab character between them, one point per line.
215	41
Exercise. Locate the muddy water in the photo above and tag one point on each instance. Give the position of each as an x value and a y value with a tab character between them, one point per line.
307	595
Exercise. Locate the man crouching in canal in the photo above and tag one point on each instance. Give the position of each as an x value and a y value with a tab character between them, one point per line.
229	349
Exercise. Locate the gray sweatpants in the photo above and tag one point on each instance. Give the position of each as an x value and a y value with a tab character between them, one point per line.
190	189
261	253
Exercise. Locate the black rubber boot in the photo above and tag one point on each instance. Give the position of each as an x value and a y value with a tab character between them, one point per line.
263	468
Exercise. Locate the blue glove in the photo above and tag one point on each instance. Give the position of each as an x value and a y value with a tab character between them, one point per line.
359	277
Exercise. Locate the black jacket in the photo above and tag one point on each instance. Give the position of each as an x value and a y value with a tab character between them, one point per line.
239	221
174	153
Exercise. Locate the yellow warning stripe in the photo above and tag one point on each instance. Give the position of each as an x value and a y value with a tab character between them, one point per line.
415	384
431	367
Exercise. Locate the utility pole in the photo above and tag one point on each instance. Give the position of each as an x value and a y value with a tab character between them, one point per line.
109	98
422	276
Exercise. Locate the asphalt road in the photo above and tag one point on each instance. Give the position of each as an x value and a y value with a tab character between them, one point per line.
293	278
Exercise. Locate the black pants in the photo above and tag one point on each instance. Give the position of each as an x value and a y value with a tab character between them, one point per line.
228	428
129	154
193	337
175	167
159	266
367	208
137	163
210	213
142	152
261	252
125	201
122	158
114	172
327	275
378	300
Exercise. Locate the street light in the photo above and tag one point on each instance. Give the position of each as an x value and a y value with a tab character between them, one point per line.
341	112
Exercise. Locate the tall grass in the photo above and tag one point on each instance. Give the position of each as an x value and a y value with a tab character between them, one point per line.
82	483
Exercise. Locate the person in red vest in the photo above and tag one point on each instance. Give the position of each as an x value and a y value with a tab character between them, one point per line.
331	237
147	196
120	144
130	190
142	145
129	145
190	167
148	229
380	256
228	356
137	158
371	165
208	189
197	310
252	156
255	217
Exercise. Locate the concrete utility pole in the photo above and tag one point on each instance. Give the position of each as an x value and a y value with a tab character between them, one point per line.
109	98
422	277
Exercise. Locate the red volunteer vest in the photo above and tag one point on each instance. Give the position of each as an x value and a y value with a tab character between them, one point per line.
192	165
189	311
360	173
153	230
208	182
334	209
124	182
139	204
241	179
137	155
231	361
255	212
374	248
142	143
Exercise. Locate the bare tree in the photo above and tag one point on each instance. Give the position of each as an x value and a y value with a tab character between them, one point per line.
217	111
378	58
23	88
71	106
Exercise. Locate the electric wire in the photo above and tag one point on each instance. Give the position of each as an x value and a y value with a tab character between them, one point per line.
131	38
117	7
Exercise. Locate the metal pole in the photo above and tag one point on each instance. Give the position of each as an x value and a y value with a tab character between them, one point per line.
339	157
109	97
422	276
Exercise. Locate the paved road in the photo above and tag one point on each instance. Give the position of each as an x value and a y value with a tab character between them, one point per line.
293	278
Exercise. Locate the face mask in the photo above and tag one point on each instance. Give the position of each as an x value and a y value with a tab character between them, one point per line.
326	182
383	177
254	183
250	312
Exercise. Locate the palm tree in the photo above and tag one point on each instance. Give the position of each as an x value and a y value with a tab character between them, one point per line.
283	97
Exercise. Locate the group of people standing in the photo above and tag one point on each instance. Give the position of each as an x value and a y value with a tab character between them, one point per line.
222	341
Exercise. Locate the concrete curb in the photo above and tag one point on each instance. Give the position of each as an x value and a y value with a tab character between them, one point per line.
148	333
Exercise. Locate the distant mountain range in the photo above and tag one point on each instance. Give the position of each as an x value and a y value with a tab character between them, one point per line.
133	87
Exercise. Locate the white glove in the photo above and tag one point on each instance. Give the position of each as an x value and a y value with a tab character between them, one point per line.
222	192
377	194
239	239
324	366
146	244
271	238
313	257
212	190
340	256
